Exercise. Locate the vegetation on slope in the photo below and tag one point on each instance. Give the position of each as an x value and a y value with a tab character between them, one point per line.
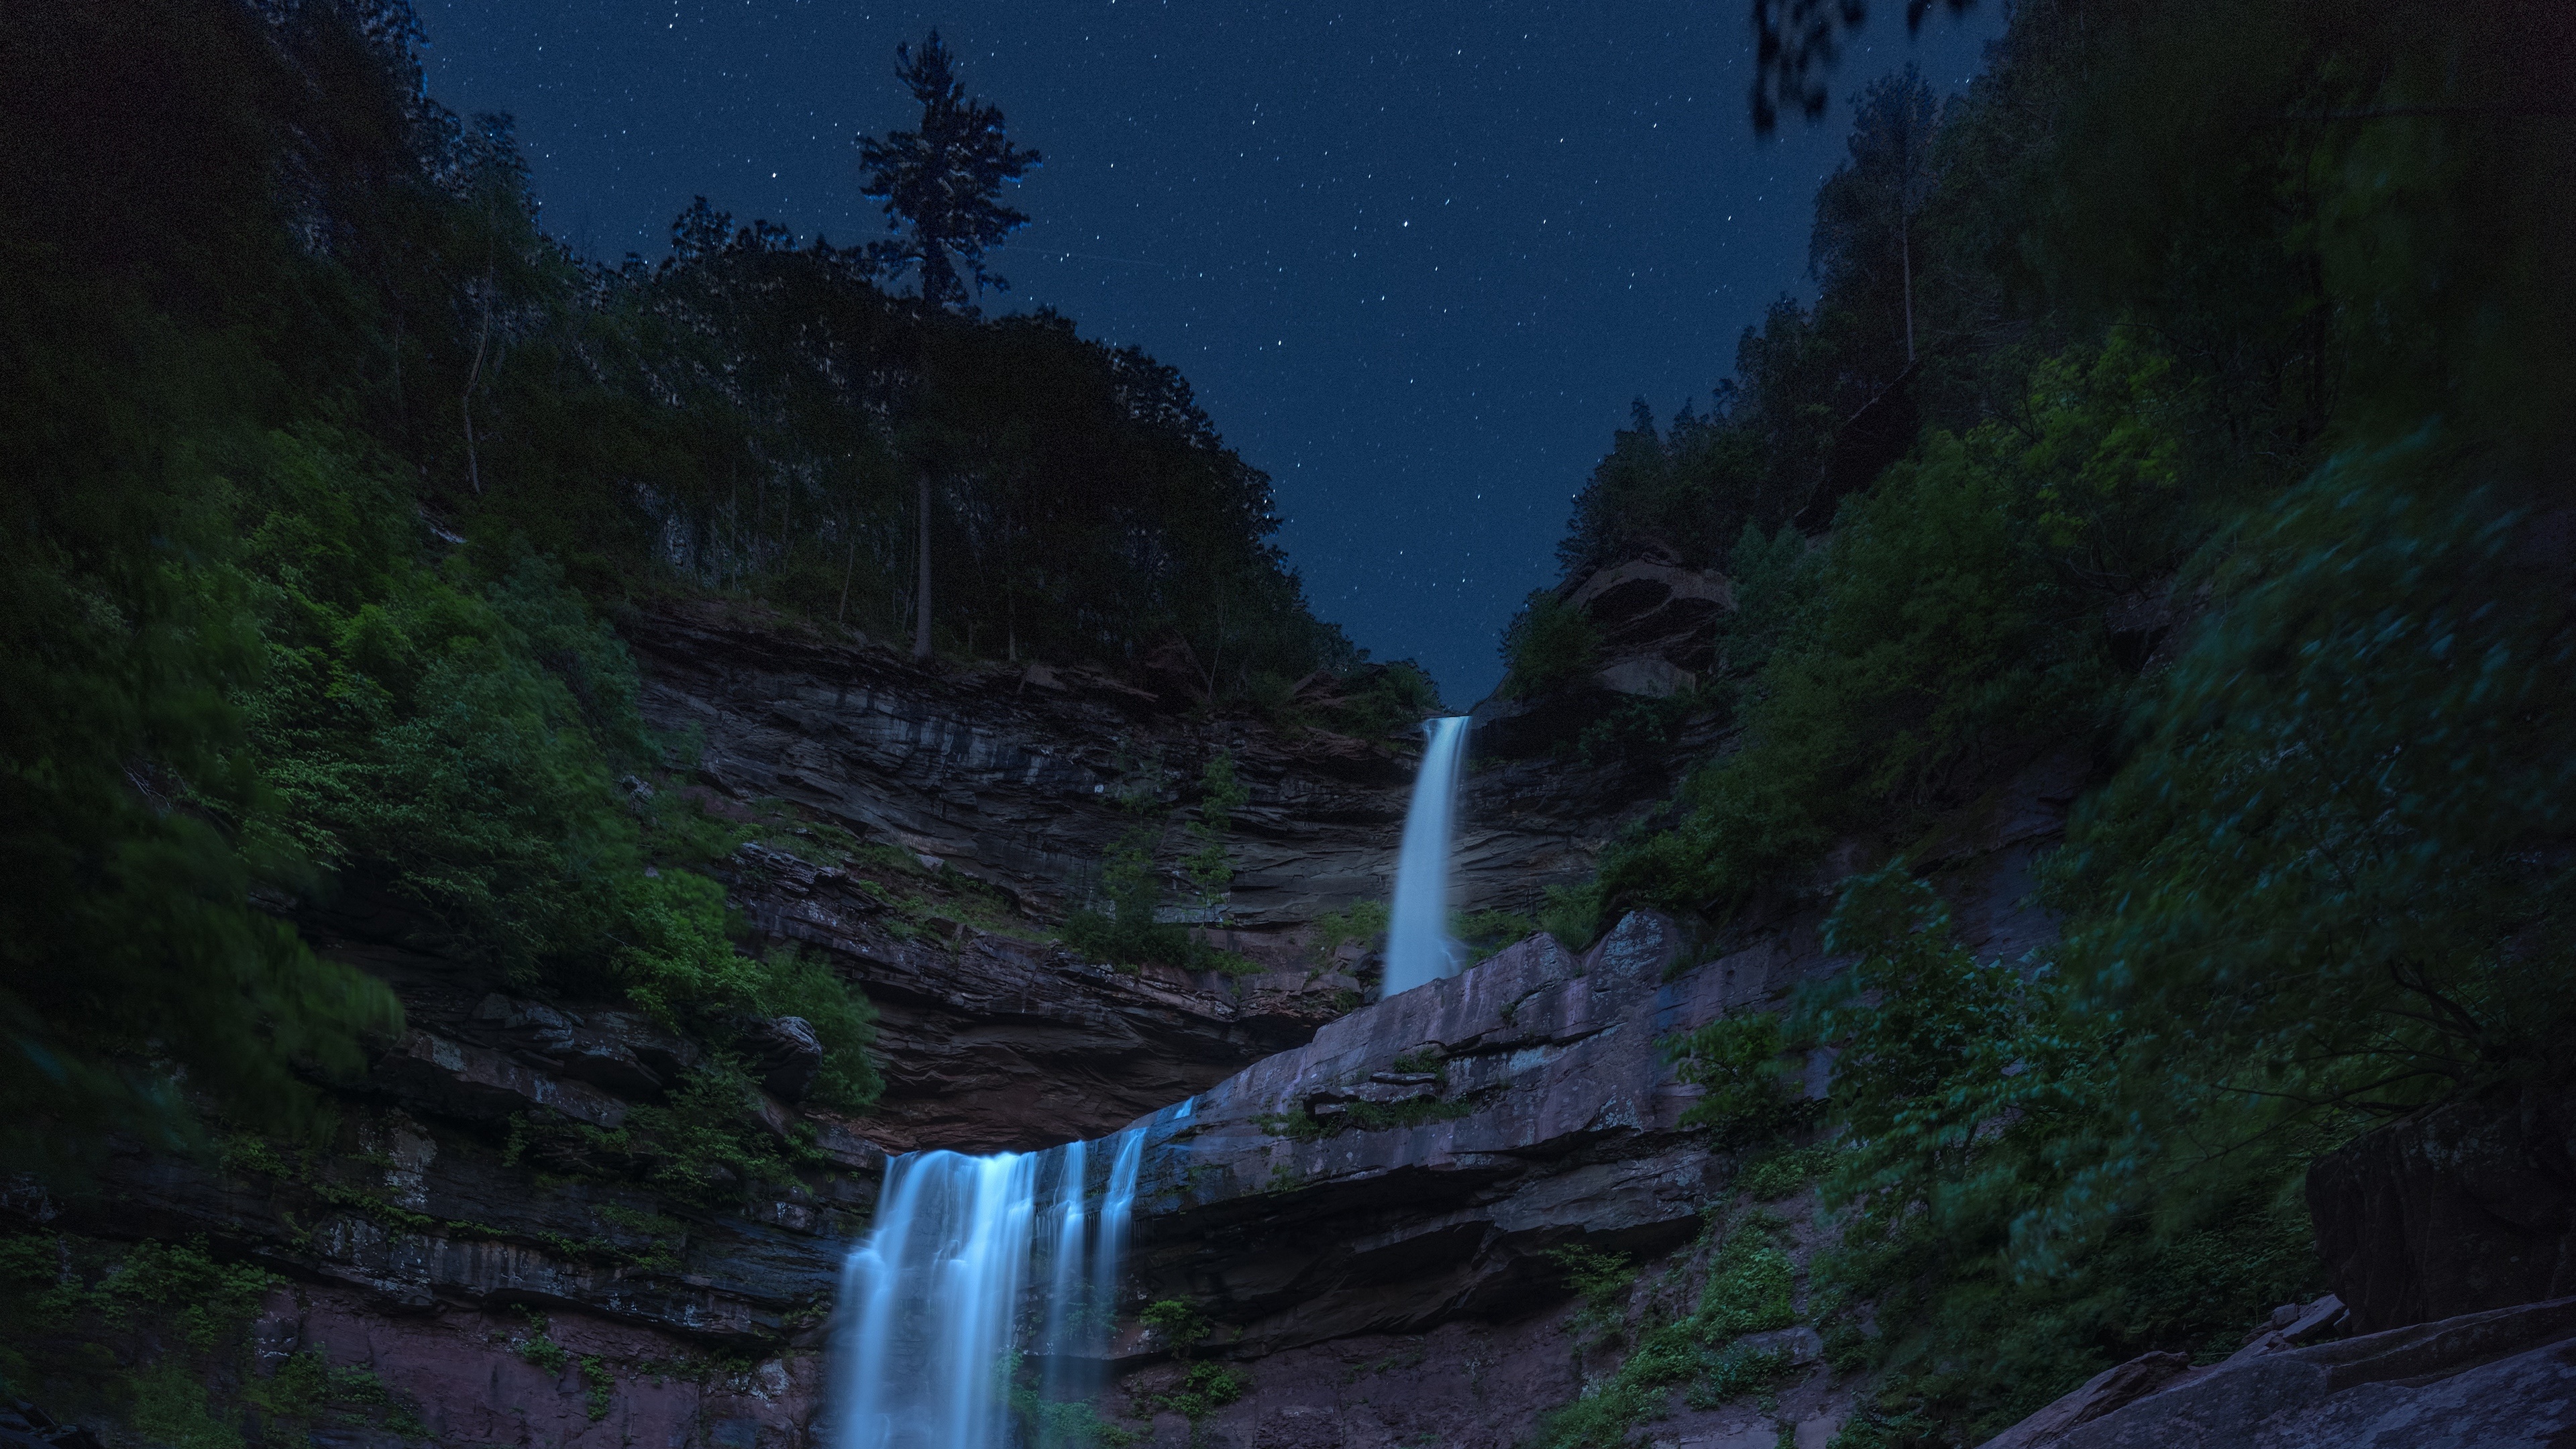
2236	426
330	469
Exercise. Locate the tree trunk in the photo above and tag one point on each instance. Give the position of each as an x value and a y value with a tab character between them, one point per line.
1905	253
465	403
921	603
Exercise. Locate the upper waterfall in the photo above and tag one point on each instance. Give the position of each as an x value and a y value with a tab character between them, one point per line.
1418	948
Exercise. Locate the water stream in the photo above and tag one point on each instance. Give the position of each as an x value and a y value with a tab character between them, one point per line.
977	1313
1418	947
942	1319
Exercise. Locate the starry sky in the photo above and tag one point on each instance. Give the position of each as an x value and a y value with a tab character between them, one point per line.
1415	258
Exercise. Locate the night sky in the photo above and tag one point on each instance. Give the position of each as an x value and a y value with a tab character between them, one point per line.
1415	259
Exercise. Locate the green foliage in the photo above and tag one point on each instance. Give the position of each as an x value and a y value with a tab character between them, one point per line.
2326	885
306	1389
1421	1061
708	1142
1179	1321
1748	1291
802	984
1066	1424
1489	931
1129	932
156	1335
1208	869
2232	448
599	1387
538	1347
1364	921
1374	701
1573	914
1786	1170
1602	1280
1550	643
1740	1061
1204	1389
251	658
1946	623
1976	1098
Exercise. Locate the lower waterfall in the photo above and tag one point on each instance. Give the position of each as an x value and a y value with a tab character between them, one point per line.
1418	948
976	1314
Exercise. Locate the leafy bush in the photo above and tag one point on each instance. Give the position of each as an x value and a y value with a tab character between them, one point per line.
1549	643
1487	932
800	984
1941	621
1777	1174
1740	1061
1359	921
1748	1291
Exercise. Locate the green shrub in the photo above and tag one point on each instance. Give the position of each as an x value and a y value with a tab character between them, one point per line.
1486	932
1742	1063
1204	1389
1748	1291
800	984
1779	1173
1549	643
1359	921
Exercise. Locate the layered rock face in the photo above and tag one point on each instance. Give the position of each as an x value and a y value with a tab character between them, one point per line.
1009	775
1369	1217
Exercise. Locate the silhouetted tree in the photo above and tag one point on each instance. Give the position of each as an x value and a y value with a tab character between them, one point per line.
1866	211
939	183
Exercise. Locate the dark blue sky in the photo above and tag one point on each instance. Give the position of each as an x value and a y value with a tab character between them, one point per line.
1416	259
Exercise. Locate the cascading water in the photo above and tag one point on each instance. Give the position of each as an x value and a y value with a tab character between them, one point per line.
935	1310
979	1265
1418	948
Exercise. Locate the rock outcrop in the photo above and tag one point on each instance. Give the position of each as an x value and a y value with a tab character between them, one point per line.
1655	623
1536	1112
2496	1380
2467	1206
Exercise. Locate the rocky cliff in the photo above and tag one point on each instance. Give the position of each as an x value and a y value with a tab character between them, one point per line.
461	1241
1379	1220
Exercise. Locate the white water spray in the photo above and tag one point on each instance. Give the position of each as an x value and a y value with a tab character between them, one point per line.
934	1310
1418	948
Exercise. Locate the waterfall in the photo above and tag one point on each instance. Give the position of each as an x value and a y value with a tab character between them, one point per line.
974	1264
1418	948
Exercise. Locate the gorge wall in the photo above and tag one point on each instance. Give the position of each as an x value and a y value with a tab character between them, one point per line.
461	1242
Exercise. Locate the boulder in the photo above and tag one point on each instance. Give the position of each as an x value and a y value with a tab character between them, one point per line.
2466	1206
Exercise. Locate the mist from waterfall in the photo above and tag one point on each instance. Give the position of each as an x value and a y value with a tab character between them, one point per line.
1418	948
981	1275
